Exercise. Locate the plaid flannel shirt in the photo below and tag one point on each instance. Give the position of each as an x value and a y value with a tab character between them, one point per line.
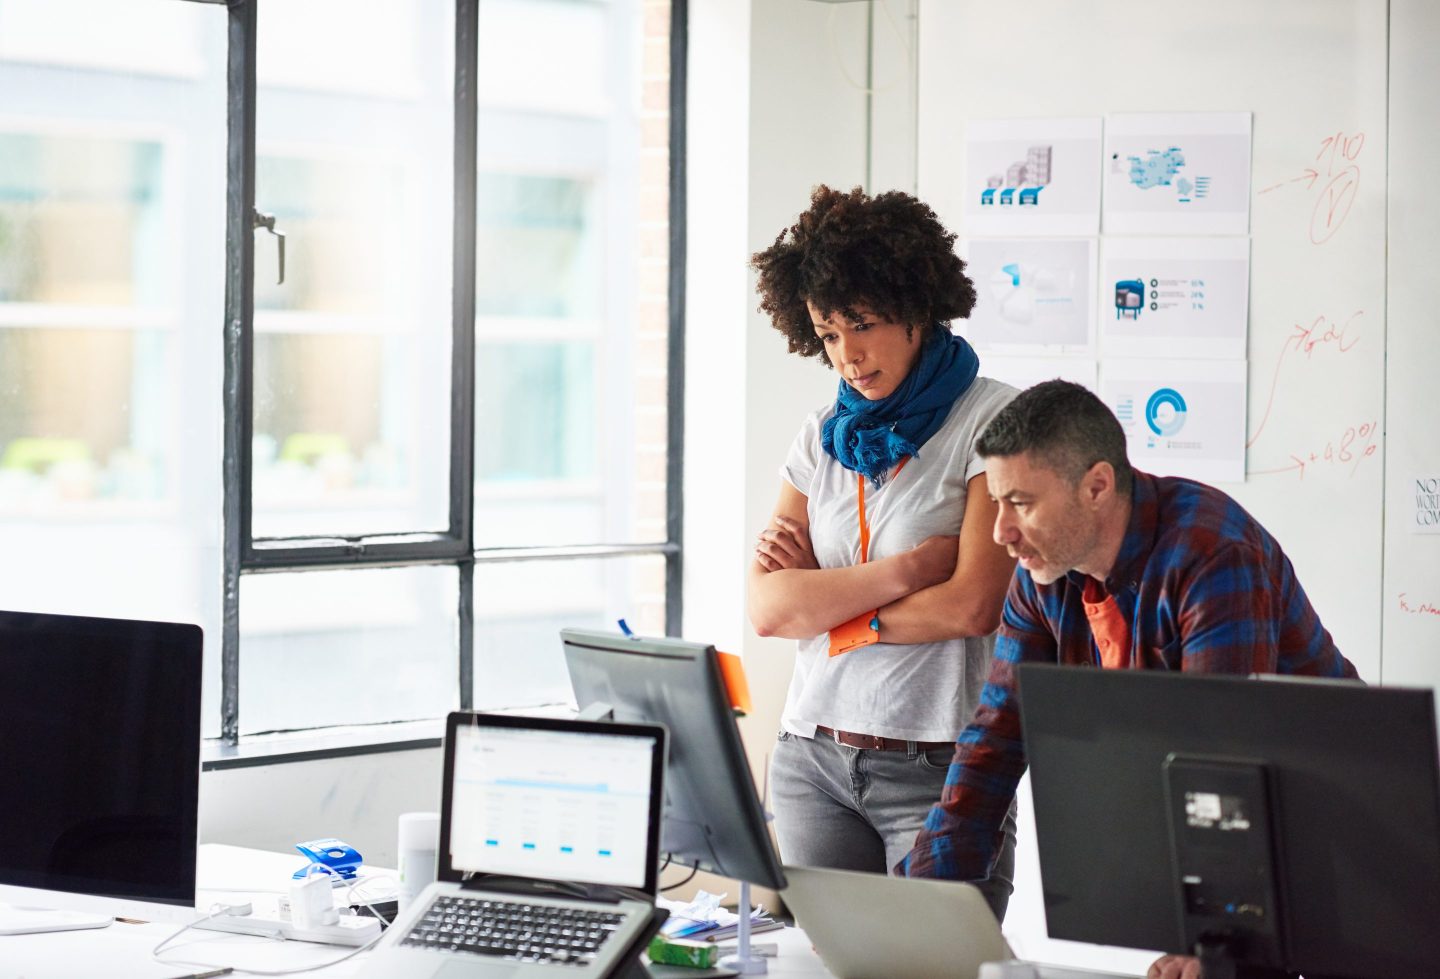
1206	590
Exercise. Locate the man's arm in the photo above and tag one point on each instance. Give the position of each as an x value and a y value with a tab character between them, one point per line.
959	840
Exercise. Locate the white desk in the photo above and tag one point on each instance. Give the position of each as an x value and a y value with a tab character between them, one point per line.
122	951
231	874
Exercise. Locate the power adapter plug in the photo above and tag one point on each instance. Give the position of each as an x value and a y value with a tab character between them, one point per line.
266	919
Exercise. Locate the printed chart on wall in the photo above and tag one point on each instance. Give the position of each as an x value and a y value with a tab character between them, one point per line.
1024	372
1036	295
1181	417
1032	177
1182	173
1174	297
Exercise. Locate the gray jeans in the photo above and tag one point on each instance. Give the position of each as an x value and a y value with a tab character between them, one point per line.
857	809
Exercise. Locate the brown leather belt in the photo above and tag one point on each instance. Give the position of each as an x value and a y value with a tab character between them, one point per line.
874	742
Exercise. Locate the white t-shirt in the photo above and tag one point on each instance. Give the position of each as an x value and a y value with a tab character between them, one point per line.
920	692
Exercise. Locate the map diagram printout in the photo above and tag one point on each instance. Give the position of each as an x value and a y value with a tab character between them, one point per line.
1035	295
1182	173
1181	417
1174	297
1032	177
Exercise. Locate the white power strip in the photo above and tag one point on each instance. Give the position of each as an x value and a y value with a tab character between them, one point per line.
271	920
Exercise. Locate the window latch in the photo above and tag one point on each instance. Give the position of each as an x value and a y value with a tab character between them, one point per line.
259	219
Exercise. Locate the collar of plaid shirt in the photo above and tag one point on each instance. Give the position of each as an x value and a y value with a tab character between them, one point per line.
1141	532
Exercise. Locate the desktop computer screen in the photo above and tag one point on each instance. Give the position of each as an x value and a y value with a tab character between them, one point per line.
1291	825
713	818
100	741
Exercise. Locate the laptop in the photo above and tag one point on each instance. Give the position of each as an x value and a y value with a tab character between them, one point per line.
869	925
547	859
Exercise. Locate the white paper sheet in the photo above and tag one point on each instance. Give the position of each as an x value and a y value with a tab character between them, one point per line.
1181	417
1174	297
1032	177
1425	518
1181	173
1024	372
1036	295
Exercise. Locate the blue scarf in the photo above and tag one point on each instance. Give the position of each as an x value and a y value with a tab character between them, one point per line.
871	437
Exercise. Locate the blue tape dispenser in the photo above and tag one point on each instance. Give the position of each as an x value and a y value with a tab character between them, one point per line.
336	856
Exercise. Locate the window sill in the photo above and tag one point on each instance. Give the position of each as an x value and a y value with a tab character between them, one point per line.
342	742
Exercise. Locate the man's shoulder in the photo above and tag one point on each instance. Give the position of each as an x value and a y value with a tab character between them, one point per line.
1198	523
1184	503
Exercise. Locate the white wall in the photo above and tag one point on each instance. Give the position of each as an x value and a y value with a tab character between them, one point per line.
273	807
771	115
1411	593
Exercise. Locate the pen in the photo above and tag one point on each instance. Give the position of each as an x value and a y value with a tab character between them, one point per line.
207	975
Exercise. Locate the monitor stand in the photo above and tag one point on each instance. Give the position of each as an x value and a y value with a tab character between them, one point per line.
33	921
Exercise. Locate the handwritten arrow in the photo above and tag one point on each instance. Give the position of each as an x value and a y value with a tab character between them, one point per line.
1310	174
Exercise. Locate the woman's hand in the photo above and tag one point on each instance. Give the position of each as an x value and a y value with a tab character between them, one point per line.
785	544
1174	967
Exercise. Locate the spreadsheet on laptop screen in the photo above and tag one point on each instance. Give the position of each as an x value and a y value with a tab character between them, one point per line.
557	805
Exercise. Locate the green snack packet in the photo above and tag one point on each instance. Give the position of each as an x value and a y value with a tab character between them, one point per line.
672	951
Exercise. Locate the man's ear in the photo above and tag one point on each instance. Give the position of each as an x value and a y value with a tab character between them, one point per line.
1097	486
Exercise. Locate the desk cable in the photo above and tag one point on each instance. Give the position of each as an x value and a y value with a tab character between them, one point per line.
216	910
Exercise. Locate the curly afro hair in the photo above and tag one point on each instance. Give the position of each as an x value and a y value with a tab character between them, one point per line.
888	252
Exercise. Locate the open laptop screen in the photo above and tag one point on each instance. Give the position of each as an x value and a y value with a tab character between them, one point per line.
555	804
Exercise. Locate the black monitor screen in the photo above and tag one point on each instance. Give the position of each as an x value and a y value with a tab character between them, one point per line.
1346	780
713	818
100	741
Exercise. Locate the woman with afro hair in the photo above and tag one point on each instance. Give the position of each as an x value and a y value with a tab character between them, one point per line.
879	557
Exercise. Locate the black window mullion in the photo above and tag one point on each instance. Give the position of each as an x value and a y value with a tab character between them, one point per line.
675	353
239	345
462	359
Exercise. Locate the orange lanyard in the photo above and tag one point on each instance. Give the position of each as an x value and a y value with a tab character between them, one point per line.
865	524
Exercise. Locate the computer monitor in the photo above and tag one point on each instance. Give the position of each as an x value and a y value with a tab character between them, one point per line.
713	818
1291	825
99	768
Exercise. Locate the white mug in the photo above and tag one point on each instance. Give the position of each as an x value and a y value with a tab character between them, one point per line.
419	838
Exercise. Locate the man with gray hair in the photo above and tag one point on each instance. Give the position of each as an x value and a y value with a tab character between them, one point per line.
1117	569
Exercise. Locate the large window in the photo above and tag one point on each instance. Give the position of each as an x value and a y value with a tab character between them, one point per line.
346	332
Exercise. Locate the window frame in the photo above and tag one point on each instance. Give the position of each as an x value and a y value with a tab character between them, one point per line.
242	552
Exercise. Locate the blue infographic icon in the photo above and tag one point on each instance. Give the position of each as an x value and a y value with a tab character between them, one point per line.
1129	298
1165	412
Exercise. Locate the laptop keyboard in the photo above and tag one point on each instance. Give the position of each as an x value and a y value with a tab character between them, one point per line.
513	930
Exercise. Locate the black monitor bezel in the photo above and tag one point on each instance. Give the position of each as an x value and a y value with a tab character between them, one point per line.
656	733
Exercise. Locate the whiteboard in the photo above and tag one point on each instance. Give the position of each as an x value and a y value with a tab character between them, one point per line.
1314	75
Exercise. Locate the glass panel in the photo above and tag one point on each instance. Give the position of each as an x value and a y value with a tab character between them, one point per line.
83	418
360	646
575	36
112	285
118	34
536	419
537	247
521	607
81	219
352	352
571	287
